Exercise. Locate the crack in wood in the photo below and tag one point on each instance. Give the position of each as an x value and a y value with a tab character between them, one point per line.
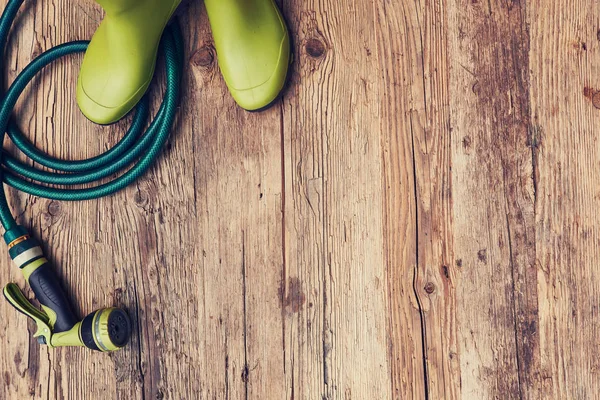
139	339
283	248
245	371
416	269
515	312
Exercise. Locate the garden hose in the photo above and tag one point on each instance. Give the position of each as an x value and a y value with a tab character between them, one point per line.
106	329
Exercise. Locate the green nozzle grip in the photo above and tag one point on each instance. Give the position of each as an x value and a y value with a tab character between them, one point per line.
49	293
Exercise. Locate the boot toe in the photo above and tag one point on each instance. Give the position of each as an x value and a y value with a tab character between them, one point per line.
256	97
104	114
253	49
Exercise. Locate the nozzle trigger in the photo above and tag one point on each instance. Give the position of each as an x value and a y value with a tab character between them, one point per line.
17	299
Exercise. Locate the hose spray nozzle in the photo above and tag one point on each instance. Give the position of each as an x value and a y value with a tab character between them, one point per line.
106	329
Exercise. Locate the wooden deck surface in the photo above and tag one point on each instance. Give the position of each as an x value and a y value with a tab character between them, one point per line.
416	218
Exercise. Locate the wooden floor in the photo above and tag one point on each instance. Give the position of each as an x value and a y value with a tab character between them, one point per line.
417	218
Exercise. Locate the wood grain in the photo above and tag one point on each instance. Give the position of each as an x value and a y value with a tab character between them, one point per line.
415	218
338	347
493	198
564	70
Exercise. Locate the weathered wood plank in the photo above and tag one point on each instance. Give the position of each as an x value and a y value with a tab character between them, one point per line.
237	164
416	152
565	79
493	198
335	277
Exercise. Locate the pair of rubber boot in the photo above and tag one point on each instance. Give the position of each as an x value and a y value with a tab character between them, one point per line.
251	41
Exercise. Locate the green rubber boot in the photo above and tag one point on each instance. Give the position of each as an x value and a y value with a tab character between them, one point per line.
119	63
253	49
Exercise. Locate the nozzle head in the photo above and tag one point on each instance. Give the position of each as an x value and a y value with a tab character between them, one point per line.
118	328
107	329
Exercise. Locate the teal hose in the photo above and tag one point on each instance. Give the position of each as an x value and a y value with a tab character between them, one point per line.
130	157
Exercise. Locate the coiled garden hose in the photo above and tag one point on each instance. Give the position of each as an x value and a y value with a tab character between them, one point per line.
106	329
